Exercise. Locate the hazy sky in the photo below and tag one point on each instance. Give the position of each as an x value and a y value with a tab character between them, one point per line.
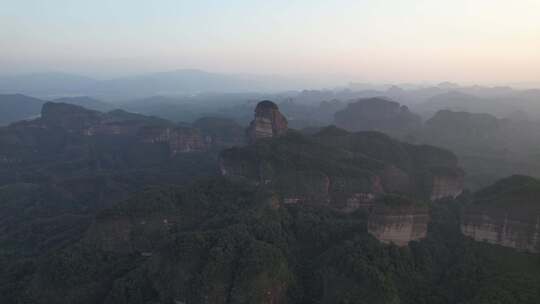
483	41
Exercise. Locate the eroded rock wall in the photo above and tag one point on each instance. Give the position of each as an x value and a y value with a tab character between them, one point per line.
398	226
207	133
446	186
508	229
180	140
268	122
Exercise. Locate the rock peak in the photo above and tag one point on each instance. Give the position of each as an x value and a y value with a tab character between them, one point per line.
268	122
266	104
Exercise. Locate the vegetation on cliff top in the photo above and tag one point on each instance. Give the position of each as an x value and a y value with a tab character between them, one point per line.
232	244
517	191
338	163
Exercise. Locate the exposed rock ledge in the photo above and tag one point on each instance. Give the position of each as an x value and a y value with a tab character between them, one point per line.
502	228
268	122
506	213
398	225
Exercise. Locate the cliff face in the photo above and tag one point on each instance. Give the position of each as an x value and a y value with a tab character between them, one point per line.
503	228
300	171
179	140
398	220
398	224
65	124
351	171
344	170
268	122
446	186
66	135
506	213
140	128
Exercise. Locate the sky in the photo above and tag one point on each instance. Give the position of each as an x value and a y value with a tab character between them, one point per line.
478	41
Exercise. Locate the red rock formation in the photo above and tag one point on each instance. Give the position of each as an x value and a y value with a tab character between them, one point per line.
141	128
111	128
180	140
268	122
508	228
446	186
506	213
398	225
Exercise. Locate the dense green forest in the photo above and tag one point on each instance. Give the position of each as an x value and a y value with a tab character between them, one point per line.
227	242
119	218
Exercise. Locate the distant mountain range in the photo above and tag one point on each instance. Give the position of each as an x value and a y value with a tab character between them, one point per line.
192	84
14	107
46	84
501	106
178	82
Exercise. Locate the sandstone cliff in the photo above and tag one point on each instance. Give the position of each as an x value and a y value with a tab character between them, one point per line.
506	213
398	224
504	228
205	134
268	122
179	139
143	129
447	185
344	170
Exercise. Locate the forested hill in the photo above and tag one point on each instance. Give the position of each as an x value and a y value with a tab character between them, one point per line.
116	207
